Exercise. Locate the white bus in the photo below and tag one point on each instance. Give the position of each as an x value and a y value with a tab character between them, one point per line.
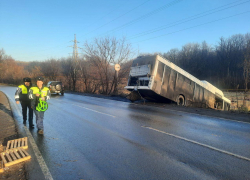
156	78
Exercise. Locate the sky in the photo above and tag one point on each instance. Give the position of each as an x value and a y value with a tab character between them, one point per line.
34	30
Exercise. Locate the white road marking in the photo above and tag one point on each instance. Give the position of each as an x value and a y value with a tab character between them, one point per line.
93	110
38	154
174	110
195	142
169	109
88	109
98	99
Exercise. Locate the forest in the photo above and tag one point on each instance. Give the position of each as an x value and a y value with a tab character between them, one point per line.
225	65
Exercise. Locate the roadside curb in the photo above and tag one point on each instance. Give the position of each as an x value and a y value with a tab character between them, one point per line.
9	131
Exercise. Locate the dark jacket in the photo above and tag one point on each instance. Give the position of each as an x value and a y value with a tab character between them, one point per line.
22	93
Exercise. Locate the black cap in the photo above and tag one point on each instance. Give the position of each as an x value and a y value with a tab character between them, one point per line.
39	78
26	79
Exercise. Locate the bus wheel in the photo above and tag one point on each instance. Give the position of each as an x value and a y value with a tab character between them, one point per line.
180	100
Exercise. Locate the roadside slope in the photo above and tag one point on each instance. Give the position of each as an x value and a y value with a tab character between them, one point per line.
8	131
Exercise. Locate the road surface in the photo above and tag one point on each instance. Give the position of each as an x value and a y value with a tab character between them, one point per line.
94	138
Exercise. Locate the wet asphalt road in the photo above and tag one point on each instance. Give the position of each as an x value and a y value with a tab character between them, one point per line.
94	138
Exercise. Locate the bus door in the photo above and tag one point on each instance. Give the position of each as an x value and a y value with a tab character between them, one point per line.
165	81
158	78
171	85
198	93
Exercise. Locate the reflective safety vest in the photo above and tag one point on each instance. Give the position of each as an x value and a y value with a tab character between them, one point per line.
44	91
24	89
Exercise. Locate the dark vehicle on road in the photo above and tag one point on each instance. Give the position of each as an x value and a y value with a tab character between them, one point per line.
156	78
56	87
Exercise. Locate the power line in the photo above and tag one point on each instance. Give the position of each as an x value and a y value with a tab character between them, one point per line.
192	27
119	16
115	9
138	19
101	25
75	49
68	36
145	16
186	19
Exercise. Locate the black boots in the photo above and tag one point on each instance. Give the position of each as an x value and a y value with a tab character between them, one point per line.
30	125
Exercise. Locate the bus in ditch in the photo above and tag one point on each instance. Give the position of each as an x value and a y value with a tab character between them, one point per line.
156	78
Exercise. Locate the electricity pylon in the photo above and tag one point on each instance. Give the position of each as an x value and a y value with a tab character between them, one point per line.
74	68
75	50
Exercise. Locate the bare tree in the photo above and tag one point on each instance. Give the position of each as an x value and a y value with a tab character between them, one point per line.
51	69
246	66
11	72
66	71
88	76
172	55
74	72
36	71
104	53
2	55
70	70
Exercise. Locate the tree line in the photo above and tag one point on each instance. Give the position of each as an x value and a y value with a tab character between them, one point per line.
225	65
91	73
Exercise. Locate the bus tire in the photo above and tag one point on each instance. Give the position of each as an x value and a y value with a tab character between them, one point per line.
181	100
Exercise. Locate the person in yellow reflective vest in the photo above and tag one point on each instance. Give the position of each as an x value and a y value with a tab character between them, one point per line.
37	94
21	96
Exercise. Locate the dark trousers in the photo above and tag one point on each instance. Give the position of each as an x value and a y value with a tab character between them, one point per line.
27	105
